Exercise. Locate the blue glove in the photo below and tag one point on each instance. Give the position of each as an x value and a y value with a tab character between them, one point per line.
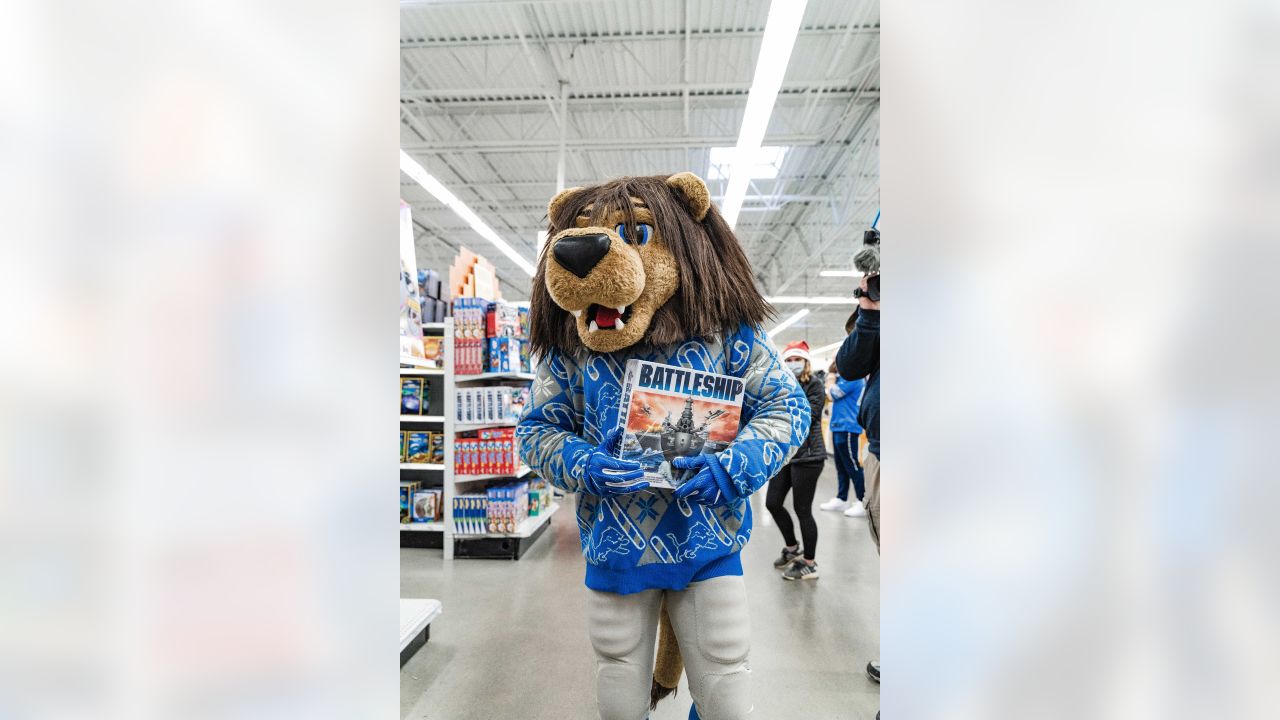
711	486
603	474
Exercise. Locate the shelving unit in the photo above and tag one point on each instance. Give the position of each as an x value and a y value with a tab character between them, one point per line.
494	376
428	534
415	624
414	371
441	534
512	546
524	470
464	427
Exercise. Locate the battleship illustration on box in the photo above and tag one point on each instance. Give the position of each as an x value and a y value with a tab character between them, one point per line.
669	412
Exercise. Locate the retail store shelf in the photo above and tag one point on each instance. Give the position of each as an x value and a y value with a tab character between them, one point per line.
524	470
422	527
415	624
525	529
493	376
464	427
433	326
404	371
416	361
422	418
421	466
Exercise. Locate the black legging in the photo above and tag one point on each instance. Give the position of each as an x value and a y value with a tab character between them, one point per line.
804	478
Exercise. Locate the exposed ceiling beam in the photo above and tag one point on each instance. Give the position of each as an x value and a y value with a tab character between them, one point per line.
610	92
506	106
672	34
410	4
758	203
611	143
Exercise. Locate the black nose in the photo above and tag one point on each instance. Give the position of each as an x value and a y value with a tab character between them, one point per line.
580	253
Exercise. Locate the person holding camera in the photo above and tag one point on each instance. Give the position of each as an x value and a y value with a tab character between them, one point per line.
859	357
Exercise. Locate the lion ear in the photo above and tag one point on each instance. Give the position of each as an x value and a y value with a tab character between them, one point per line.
560	199
695	193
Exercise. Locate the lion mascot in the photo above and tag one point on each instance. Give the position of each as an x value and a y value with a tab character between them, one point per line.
646	267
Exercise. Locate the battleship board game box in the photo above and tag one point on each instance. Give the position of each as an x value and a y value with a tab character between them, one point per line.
669	412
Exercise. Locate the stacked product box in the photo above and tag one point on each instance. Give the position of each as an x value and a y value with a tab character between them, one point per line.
507	507
490	404
407	489
415	396
421	446
500	510
539	497
469	335
428	506
433	350
502	320
490	336
435	302
469	513
503	354
488	452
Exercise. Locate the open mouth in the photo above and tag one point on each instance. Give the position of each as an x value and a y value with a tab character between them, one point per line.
600	317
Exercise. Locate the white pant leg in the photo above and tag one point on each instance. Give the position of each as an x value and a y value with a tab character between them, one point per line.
623	630
713	627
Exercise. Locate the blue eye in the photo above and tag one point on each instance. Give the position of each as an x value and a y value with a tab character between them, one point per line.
645	231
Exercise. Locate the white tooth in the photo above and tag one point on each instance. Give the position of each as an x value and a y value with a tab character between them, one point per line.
577	313
618	324
594	326
622	309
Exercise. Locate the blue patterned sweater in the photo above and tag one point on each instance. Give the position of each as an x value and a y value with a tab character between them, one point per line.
646	540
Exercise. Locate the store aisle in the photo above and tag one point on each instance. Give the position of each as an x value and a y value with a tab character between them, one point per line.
512	642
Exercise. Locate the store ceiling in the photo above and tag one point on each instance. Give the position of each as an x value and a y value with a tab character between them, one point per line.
651	88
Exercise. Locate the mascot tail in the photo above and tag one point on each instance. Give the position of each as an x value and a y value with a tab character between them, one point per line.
668	665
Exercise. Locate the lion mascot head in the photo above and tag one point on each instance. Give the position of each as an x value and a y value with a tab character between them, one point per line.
639	261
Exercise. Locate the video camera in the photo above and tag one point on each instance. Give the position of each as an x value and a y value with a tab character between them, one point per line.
867	260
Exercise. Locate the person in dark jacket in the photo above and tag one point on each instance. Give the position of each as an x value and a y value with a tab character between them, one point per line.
800	474
859	356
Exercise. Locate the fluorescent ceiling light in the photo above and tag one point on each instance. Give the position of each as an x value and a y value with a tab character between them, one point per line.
775	52
763	164
825	348
788	322
811	300
841	273
451	201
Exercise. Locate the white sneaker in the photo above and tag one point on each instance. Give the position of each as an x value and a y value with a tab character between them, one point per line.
856	511
834	504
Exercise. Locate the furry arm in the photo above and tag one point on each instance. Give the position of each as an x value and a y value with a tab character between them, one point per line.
549	442
775	413
548	432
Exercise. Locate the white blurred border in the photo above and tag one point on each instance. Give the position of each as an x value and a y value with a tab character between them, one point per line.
198	336
1079	380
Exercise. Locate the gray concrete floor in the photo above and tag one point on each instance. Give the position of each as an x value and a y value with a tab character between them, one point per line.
512	642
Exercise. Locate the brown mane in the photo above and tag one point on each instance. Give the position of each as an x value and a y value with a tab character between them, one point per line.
717	291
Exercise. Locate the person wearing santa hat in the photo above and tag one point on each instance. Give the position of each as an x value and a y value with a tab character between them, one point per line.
801	475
